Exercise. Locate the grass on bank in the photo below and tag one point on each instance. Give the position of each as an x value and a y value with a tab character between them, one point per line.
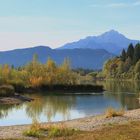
51	131
6	90
128	131
111	112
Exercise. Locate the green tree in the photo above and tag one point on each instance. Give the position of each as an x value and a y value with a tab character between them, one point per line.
136	53
137	67
137	70
121	67
127	64
123	55
130	51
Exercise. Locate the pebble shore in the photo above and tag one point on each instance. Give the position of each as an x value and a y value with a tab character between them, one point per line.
87	124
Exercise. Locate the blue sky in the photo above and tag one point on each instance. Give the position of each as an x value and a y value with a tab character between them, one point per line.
28	23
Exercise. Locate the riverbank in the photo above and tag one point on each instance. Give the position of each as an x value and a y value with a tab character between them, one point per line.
92	123
16	99
88	88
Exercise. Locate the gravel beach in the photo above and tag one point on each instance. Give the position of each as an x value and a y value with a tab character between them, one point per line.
87	124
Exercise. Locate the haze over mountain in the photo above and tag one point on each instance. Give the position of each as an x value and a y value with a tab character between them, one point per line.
112	41
88	53
80	58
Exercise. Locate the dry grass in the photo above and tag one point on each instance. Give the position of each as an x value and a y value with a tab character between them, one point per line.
51	130
34	130
129	131
111	112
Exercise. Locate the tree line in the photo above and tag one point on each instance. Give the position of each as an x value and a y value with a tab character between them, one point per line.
36	74
125	66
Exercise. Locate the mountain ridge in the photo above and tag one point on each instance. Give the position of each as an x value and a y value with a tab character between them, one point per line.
80	58
82	54
112	41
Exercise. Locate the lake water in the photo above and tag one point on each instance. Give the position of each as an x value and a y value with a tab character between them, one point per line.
46	108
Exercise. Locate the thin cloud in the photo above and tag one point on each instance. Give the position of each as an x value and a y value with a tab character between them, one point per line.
136	3
116	5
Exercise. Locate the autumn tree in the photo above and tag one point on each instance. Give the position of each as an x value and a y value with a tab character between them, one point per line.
137	67
121	67
51	72
137	70
66	75
127	64
5	71
34	70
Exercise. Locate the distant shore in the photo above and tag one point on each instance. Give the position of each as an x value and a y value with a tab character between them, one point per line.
87	124
15	98
63	88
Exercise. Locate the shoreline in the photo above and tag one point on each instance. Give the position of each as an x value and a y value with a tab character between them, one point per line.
85	124
64	88
14	100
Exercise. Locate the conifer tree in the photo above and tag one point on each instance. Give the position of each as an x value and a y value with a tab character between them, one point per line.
130	51
136	53
123	55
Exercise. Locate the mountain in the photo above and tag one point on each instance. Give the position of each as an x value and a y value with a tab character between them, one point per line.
80	58
112	41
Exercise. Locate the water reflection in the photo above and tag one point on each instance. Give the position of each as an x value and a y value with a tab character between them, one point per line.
127	93
49	106
120	86
56	108
6	109
127	100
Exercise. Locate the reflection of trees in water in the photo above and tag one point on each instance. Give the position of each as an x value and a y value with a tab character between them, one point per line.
121	86
6	109
35	108
129	101
124	92
50	106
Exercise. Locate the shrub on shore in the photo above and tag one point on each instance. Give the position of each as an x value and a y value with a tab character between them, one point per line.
52	131
6	90
60	131
34	130
111	112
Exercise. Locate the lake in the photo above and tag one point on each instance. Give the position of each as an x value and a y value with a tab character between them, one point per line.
47	108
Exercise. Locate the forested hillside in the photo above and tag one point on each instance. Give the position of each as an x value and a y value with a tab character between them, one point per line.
126	66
